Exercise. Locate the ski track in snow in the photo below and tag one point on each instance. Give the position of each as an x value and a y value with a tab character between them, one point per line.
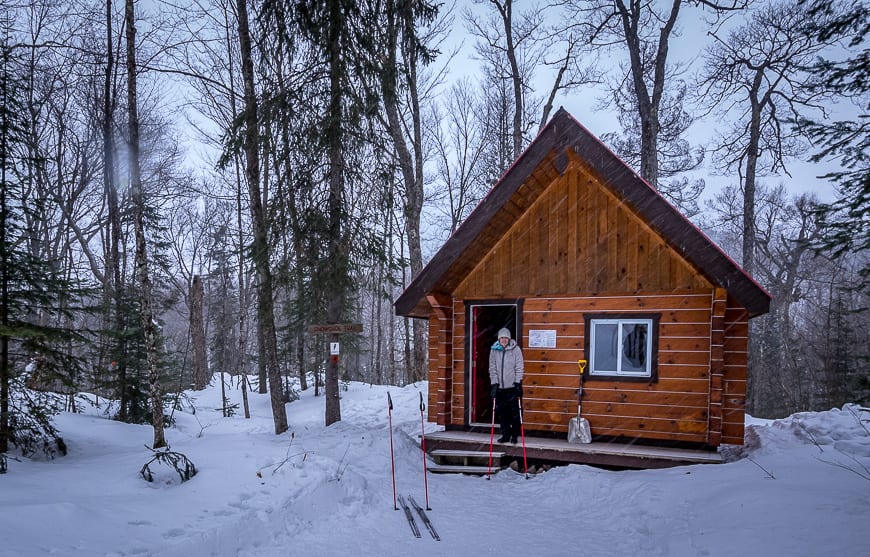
328	491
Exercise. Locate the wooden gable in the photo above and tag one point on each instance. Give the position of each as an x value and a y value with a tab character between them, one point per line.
569	180
578	236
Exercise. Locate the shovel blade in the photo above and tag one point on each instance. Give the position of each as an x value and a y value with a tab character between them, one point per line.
578	431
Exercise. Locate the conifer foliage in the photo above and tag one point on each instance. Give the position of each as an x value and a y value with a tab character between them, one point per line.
846	141
34	342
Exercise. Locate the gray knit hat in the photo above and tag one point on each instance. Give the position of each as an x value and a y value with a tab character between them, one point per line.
503	332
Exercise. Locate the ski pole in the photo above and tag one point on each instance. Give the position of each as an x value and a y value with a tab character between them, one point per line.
392	458
491	436
423	447
523	434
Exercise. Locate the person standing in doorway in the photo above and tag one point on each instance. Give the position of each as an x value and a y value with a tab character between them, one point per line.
506	384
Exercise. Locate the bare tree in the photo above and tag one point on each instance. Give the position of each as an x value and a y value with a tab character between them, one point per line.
459	141
519	47
400	84
113	281
648	92
199	361
511	45
757	77
806	352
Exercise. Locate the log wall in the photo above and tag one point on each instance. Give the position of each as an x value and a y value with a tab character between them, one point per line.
736	356
675	406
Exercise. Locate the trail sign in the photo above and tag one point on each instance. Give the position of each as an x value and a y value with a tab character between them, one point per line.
336	328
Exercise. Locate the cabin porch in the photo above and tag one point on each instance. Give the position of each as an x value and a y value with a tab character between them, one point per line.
540	449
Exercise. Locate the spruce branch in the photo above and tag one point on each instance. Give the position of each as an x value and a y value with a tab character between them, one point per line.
177	461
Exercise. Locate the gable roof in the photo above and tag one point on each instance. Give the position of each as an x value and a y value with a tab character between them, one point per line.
545	158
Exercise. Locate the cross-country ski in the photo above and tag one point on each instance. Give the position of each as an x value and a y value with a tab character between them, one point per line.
425	518
410	517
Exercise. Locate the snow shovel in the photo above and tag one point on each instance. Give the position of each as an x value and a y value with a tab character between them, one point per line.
578	428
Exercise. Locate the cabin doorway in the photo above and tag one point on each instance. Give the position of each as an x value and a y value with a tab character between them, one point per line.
485	319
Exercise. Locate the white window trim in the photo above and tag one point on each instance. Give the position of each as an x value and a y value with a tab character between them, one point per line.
618	372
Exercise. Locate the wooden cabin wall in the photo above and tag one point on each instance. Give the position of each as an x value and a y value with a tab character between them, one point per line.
578	236
440	359
457	414
736	356
675	407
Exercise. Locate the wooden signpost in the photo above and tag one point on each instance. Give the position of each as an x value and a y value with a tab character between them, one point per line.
333	330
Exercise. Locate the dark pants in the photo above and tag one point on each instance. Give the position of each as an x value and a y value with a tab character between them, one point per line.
507	410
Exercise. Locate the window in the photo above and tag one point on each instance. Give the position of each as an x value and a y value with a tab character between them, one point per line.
623	347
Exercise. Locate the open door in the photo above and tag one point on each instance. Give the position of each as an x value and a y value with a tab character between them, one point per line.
485	319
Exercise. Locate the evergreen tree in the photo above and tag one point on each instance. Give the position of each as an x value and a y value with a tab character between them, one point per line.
35	346
847	220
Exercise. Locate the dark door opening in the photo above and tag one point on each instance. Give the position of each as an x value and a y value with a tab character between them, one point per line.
485	321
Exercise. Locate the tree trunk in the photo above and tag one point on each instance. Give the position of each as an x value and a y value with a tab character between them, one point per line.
145	296
749	187
516	83
5	372
648	104
199	361
410	165
265	310
243	303
334	203
113	282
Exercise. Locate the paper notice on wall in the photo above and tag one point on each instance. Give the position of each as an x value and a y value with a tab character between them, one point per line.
542	338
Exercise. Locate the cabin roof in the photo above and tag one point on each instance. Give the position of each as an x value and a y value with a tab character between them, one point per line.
479	233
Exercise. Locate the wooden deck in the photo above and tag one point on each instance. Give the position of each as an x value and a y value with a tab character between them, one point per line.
620	455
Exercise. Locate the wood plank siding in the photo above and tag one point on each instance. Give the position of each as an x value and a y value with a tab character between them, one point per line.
688	401
532	257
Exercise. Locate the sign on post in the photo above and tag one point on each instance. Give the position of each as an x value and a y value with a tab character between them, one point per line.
336	328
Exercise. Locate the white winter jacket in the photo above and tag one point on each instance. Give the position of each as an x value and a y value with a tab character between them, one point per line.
505	364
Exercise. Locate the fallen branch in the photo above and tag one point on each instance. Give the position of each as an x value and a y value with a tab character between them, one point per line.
339	471
287	458
858	418
810	435
865	474
769	475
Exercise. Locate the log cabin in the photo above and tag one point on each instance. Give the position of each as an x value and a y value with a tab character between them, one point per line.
581	259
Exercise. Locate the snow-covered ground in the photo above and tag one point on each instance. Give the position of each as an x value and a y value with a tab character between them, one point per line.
800	487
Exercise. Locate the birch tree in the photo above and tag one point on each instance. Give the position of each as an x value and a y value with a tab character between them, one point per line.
146	300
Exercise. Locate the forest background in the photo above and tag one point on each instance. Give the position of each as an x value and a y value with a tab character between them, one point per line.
188	186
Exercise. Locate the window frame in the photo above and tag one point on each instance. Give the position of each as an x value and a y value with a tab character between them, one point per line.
650	319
